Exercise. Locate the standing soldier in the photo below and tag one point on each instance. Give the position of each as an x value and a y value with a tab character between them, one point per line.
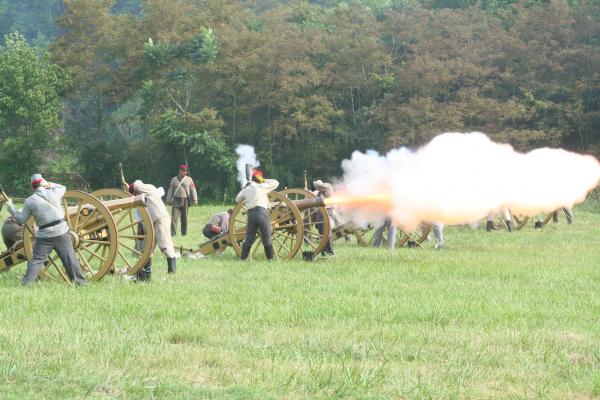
161	221
325	190
255	195
53	233
182	192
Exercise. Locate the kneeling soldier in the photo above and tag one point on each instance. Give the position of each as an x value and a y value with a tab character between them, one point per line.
218	224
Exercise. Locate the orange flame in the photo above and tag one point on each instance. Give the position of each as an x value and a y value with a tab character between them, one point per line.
381	202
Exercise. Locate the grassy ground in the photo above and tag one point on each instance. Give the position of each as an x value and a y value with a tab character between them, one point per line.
490	316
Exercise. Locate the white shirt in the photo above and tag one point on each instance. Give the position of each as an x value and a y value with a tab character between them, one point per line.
256	194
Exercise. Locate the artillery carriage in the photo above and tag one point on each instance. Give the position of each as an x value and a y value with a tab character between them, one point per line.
299	220
105	230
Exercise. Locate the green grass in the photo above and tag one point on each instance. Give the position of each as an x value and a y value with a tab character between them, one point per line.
491	316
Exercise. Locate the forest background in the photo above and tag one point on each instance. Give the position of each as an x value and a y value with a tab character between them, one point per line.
86	84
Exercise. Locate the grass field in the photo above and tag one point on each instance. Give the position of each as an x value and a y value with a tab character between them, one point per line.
490	316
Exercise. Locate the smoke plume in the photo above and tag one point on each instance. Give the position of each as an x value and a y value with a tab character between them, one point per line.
460	178
246	155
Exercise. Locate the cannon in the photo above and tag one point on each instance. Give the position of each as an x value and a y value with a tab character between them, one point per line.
539	220
101	232
297	215
364	236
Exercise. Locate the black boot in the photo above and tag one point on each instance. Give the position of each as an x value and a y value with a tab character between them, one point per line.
490	226
269	252
245	252
145	273
172	265
509	225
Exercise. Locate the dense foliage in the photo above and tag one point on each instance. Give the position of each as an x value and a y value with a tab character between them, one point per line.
29	109
159	82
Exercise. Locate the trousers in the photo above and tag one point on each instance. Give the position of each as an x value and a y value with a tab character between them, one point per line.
64	247
180	209
258	220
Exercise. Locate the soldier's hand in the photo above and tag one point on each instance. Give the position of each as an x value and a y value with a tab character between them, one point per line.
9	203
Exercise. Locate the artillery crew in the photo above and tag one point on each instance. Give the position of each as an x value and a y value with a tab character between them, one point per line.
181	193
255	196
162	223
53	233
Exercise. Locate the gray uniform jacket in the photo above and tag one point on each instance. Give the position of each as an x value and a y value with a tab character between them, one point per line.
44	205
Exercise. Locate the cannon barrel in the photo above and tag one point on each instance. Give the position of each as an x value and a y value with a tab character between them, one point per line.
127	202
112	205
308	203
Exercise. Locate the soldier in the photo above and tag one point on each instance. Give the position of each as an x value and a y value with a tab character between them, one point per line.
490	221
378	235
161	221
218	224
53	233
325	190
438	234
181	193
12	231
255	196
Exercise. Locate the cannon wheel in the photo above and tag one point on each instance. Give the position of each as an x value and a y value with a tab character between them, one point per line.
413	239
285	220
545	218
94	235
364	236
312	217
134	232
519	222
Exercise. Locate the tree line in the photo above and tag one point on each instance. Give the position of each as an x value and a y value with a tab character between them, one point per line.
157	83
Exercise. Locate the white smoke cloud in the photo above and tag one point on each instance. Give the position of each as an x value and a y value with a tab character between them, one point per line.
460	178
246	155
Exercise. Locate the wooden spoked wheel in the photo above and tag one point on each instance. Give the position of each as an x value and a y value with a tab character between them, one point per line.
413	239
93	233
364	236
286	221
314	219
519	221
545	218
410	239
136	232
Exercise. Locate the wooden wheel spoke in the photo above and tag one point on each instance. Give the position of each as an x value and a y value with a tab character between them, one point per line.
121	217
60	270
125	259
86	266
79	206
281	244
134	250
98	242
67	218
93	253
130	225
